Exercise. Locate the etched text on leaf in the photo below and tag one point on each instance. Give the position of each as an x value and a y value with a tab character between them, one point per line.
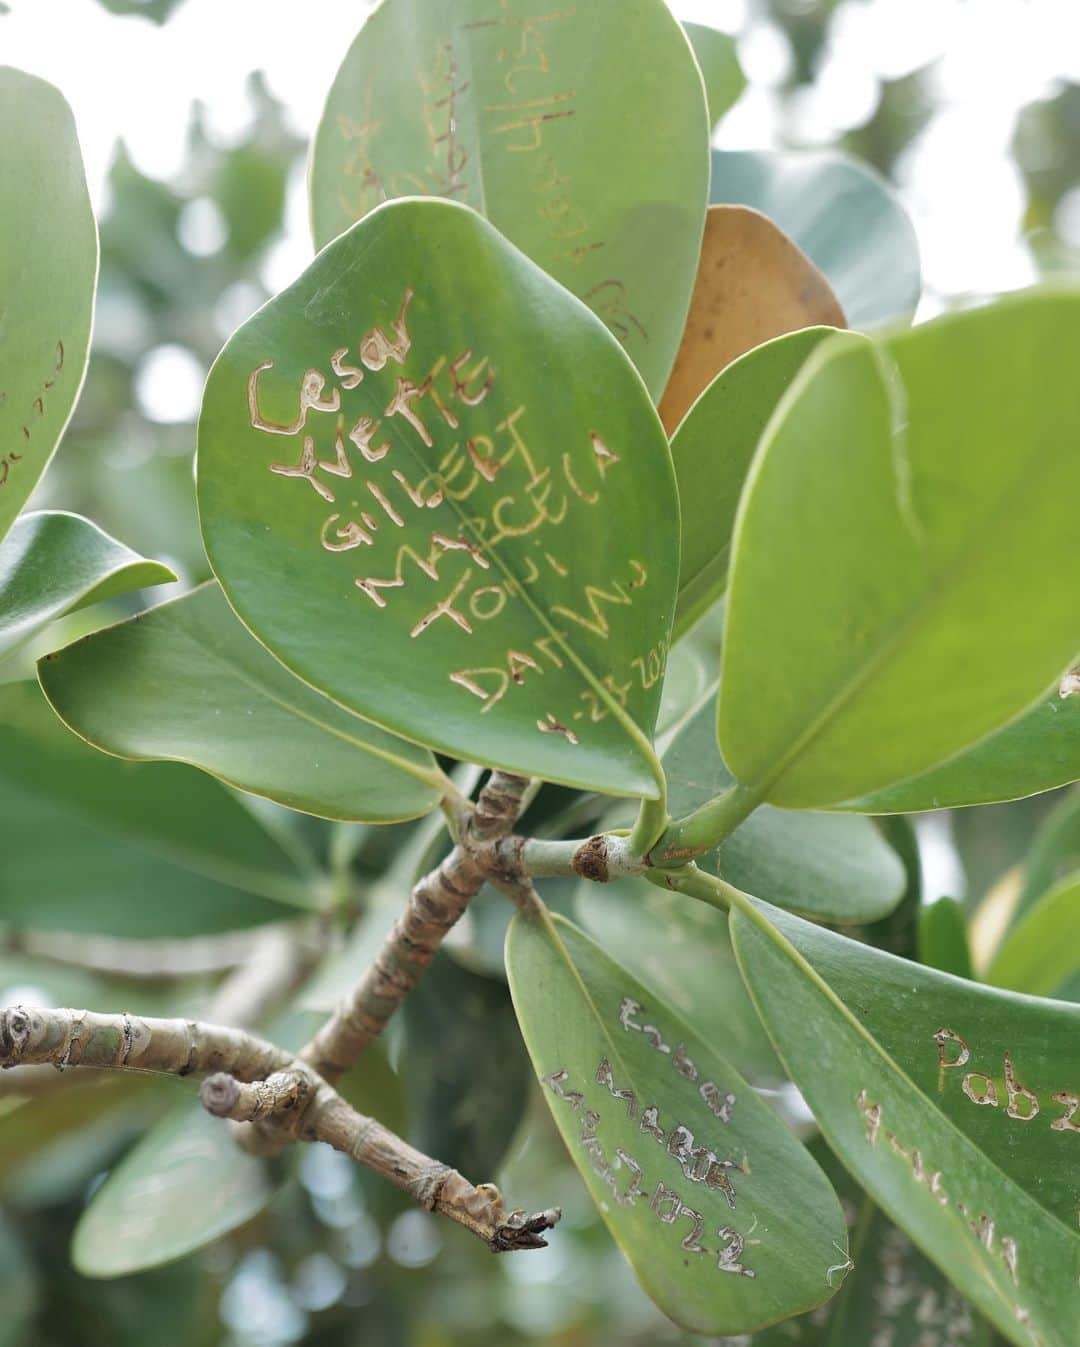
421	491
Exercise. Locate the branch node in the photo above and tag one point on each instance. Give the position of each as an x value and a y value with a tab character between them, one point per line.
280	1093
220	1094
520	1232
590	861
18	1027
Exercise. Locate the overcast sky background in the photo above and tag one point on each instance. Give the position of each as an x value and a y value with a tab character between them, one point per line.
127	77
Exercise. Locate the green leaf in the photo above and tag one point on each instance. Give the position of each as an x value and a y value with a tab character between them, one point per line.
681	953
893	1297
712	450
896	1296
501	593
183	1185
902	517
465	1070
156	10
580	132
52	563
941	1097
1054	852
186	682
753	284
697	1180
718	58
817	864
48	273
20	1287
97	845
1037	752
943	938
842	214
1042	952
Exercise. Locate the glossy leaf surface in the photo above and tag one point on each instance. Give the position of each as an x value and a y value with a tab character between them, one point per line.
580	131
148	849
842	214
477	568
941	1096
816	864
1037	752
52	563
183	1185
720	68
48	272
726	1219
902	516
187	682
712	450
1042	951
752	284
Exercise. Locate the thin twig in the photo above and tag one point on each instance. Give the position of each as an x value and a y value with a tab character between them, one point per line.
253	1078
324	1116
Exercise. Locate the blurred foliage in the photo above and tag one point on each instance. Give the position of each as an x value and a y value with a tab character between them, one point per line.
180	267
340	1259
156	10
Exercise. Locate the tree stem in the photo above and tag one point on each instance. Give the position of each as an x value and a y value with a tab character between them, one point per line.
707	826
254	1078
436	903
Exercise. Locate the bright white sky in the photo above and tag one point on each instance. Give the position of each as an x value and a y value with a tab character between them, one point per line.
126	77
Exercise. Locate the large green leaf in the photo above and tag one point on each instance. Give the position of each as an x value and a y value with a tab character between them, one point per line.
97	845
184	1184
902	517
488	569
718	58
817	864
841	213
712	450
951	1103
52	563
726	1219
581	132
1037	752
1042	952
186	682
48	271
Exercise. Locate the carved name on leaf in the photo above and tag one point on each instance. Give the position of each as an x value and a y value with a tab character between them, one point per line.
700	1163
435	446
537	108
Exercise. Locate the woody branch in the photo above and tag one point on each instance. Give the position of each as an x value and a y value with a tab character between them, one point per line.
436	903
252	1079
